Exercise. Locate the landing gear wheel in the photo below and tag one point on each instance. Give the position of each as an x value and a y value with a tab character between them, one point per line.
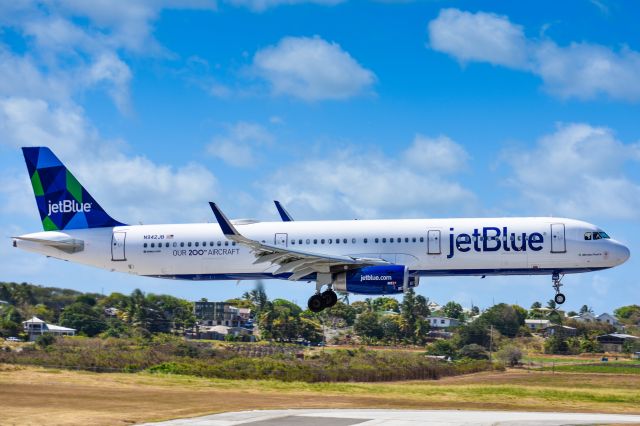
329	298
559	297
315	303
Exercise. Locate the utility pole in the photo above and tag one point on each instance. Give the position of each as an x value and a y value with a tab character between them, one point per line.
491	344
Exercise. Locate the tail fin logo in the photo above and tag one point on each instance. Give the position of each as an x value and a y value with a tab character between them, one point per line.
62	201
68	206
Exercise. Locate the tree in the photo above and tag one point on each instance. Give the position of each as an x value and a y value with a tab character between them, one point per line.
476	332
551	304
367	325
414	310
586	310
453	310
391	328
84	318
507	319
385	304
361	306
442	347
536	305
628	313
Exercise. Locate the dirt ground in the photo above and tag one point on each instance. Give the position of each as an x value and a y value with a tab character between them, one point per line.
30	395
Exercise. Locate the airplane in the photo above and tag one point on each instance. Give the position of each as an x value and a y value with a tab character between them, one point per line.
373	257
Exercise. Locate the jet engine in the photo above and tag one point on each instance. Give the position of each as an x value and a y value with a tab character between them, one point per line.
383	279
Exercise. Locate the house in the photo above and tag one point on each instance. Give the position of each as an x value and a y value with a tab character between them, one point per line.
559	330
433	306
614	342
219	313
536	324
219	332
36	327
443	322
607	319
584	317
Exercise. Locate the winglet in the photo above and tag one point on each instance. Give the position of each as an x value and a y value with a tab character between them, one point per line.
286	217
227	228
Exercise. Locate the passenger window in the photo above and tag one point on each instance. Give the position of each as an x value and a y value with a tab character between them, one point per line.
322	241
337	240
219	243
226	243
153	245
315	241
406	240
144	245
344	240
422	239
175	244
210	243
182	244
587	235
197	244
189	244
233	243
330	240
204	244
413	239
376	240
293	242
299	241
166	245
390	240
308	241
365	241
384	240
399	240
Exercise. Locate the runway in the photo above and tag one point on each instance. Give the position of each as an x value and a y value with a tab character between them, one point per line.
319	417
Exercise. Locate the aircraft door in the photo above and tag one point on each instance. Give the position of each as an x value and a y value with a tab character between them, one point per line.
558	242
117	246
281	240
433	241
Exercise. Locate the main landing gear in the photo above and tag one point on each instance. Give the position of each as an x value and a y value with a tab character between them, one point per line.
320	301
559	297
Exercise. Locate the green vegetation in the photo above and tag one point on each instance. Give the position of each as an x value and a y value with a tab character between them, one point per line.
169	354
603	367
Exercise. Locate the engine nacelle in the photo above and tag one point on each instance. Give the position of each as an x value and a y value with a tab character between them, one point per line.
385	279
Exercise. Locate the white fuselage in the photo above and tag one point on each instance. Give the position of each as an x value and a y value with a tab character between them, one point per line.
486	246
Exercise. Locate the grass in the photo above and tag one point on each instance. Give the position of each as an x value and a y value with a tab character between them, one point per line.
603	368
38	395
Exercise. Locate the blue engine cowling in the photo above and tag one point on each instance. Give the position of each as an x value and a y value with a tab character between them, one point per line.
386	279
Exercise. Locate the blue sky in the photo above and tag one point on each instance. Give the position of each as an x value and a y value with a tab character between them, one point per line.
339	109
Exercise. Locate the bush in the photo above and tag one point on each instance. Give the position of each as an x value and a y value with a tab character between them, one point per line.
473	351
510	354
45	340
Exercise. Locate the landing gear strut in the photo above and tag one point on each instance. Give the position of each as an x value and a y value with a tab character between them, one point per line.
320	301
559	297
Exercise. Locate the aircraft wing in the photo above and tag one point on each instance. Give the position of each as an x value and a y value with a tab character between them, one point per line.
299	263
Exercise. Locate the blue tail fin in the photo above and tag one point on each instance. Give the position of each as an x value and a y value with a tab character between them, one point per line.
63	203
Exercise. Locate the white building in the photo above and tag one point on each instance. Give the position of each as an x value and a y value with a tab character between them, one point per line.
536	324
607	319
36	327
585	317
443	322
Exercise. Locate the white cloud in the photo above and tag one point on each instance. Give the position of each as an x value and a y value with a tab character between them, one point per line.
311	69
237	146
367	185
579	70
130	188
437	154
478	37
262	5
578	171
66	57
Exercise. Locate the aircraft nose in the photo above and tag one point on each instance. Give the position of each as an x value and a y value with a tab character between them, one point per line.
622	253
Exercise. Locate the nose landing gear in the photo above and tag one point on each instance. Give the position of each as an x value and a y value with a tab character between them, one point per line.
557	278
320	301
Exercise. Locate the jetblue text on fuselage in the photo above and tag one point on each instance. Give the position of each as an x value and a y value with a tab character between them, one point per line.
68	206
490	238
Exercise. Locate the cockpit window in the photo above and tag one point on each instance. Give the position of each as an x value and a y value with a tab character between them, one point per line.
595	235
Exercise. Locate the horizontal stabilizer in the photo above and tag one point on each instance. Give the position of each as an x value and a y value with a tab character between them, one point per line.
68	245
